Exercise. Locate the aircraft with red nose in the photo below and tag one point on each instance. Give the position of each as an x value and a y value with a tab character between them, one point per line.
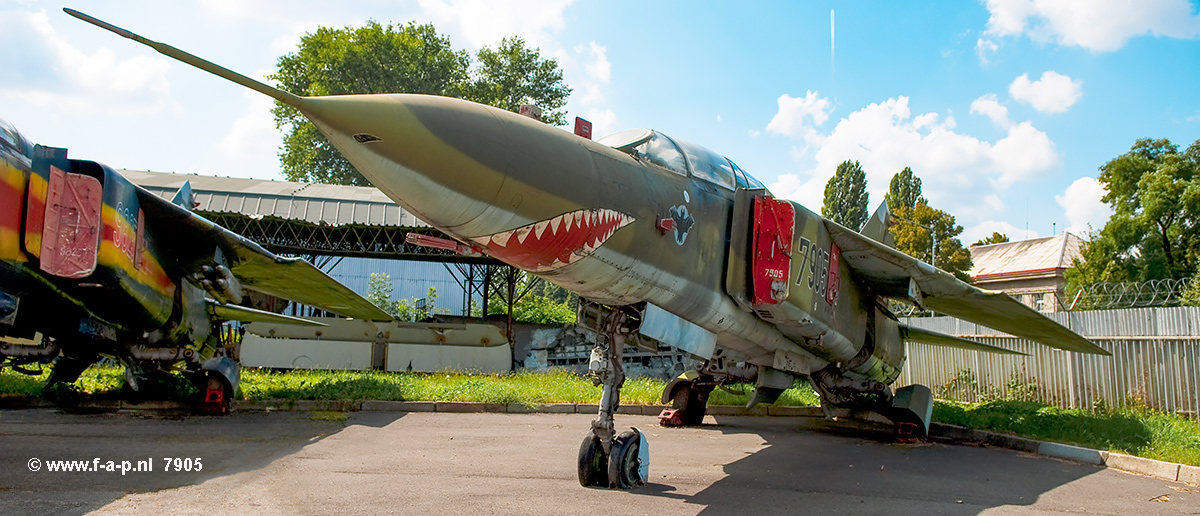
666	239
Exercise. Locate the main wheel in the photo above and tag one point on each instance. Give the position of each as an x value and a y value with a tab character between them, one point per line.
593	463
691	403
625	464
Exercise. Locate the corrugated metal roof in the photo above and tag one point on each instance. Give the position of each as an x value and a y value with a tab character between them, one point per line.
335	205
1025	256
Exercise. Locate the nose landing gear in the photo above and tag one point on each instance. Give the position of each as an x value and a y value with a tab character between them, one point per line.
605	458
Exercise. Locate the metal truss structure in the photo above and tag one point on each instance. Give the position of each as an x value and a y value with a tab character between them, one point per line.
280	235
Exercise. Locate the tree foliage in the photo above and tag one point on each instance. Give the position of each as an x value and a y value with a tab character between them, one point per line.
1154	232
996	238
905	190
379	293
537	300
408	58
918	226
514	74
846	196
916	230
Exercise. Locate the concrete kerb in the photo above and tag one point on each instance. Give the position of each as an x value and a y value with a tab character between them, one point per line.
1149	467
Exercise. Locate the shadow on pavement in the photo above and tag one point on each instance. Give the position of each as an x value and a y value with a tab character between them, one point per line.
823	467
224	445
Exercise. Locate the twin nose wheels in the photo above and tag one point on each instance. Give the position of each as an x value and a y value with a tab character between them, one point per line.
626	465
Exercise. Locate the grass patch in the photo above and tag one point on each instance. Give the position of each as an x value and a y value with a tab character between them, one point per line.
1136	431
326	415
1139	431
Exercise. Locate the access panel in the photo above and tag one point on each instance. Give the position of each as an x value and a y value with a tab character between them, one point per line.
771	250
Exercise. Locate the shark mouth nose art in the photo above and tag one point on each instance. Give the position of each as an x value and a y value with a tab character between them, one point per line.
556	242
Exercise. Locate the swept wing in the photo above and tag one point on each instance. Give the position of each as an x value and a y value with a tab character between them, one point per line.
191	238
894	274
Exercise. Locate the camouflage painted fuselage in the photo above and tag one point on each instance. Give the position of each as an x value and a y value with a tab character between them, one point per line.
590	218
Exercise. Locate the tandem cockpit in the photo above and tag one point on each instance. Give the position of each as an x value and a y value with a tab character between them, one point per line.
681	157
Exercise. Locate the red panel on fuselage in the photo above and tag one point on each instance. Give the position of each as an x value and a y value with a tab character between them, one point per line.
72	226
774	226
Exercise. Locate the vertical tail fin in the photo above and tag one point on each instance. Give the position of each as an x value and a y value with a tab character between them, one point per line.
877	227
184	197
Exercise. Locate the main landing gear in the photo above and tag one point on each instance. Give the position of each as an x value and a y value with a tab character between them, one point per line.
605	458
688	396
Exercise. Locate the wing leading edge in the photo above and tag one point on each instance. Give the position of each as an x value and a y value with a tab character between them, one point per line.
190	239
892	273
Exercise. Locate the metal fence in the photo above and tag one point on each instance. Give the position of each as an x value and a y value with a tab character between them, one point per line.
1155	361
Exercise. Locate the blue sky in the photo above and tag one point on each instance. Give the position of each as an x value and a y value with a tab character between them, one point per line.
1004	108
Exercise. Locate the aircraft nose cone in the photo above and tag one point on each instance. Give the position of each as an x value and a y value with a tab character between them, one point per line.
468	169
431	154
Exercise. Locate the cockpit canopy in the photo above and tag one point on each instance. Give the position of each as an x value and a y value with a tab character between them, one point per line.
12	143
681	157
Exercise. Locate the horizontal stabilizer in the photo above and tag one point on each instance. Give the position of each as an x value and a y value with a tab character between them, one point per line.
940	339
231	312
890	273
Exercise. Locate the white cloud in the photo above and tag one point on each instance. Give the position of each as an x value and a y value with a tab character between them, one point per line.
985	229
1052	93
1096	25
989	106
50	73
799	116
1082	206
486	22
984	48
957	169
599	68
254	130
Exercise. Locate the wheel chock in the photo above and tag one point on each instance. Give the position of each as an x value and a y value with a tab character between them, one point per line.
670	417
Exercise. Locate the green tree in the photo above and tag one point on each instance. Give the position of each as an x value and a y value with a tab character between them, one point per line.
846	196
537	300
379	293
905	190
1154	232
513	74
917	229
392	58
996	238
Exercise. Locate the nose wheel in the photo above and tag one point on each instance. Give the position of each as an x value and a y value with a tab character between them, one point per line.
626	466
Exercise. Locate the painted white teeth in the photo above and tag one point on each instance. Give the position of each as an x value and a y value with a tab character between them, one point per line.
554	223
522	234
540	228
501	239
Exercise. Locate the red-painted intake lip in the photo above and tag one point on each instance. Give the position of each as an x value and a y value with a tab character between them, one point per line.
556	242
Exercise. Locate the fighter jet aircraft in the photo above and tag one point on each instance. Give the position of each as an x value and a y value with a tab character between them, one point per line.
99	266
671	240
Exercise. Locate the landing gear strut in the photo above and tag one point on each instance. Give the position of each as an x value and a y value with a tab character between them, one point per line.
605	458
